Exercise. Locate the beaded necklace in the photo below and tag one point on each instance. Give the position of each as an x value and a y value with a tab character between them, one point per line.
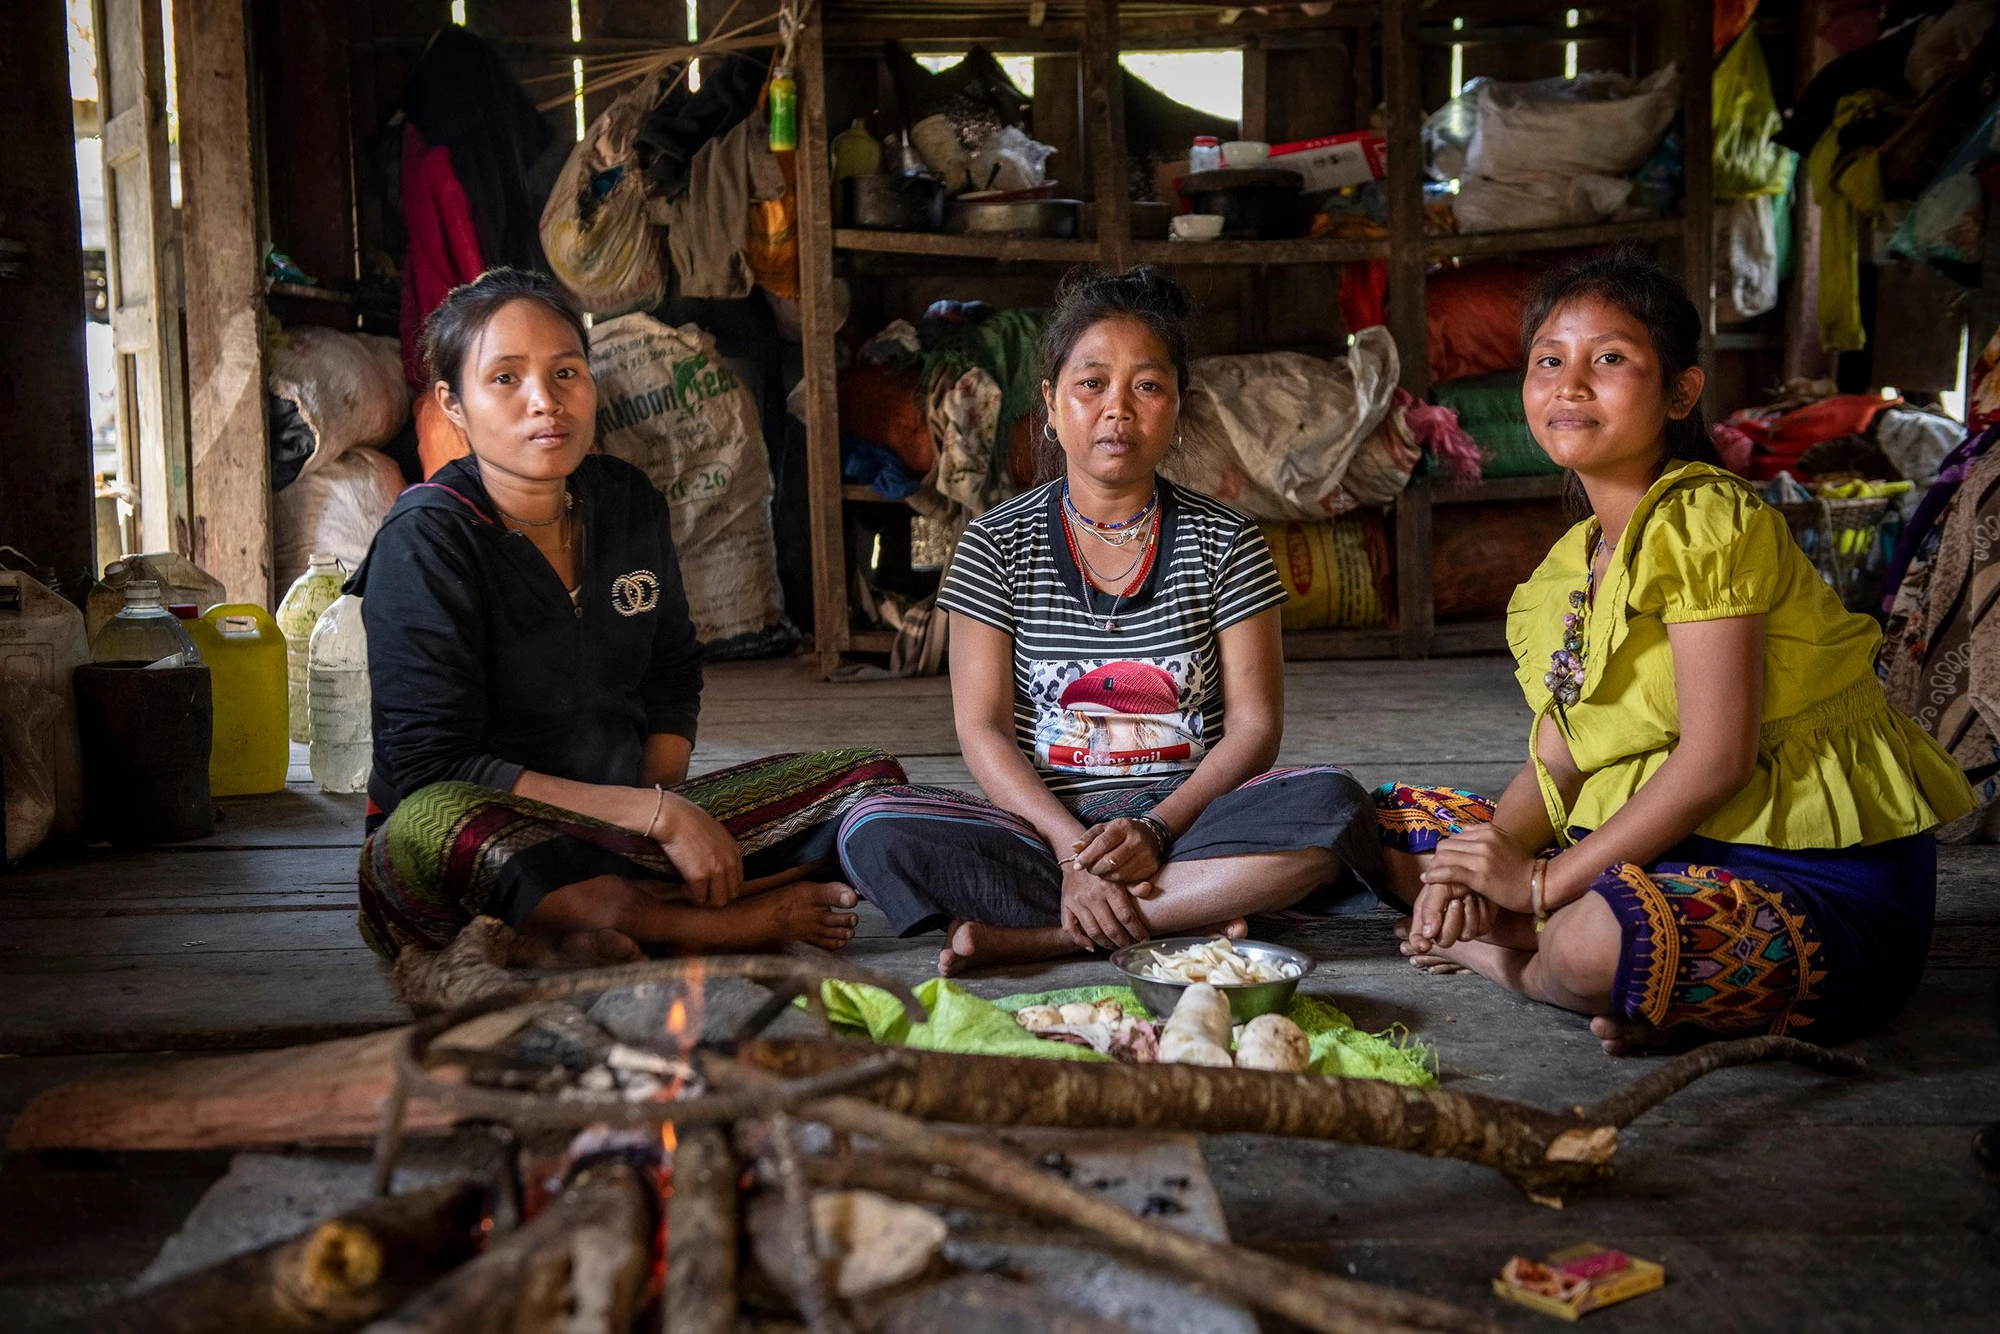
1145	567
1113	534
1564	678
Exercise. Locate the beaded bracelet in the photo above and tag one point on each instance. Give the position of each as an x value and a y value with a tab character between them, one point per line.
1162	836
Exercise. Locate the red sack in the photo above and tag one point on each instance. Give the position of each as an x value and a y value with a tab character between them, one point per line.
886	408
1474	319
1781	439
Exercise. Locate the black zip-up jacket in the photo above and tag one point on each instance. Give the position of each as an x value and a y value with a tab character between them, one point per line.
480	667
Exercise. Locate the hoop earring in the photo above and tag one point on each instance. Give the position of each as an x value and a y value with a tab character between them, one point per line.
1049	433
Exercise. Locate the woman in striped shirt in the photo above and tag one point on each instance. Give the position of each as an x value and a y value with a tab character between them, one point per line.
1102	625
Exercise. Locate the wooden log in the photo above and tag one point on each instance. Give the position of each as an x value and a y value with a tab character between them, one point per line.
984	1304
335	1276
1544	1152
325	1091
702	1235
579	1267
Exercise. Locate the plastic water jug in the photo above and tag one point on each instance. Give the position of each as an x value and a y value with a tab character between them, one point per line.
343	747
310	594
144	632
245	654
42	643
179	580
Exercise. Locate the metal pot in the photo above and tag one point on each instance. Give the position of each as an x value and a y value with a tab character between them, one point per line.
1022	217
892	203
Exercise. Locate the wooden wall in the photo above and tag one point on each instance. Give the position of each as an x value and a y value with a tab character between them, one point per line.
45	465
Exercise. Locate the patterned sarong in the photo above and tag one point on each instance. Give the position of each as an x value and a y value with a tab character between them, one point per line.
454	851
1738	938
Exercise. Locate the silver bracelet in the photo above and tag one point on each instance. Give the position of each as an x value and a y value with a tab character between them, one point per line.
658	807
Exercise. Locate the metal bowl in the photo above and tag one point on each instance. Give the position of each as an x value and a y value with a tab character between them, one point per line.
1023	217
1245	1002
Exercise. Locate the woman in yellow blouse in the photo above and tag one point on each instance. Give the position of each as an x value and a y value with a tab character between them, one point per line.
1722	824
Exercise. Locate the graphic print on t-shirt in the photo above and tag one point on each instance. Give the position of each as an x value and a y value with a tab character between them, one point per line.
1121	717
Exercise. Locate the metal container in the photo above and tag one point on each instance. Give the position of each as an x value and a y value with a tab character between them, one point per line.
1021	217
1245	1002
885	203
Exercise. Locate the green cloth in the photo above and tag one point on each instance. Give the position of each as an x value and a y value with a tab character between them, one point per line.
1489	410
962	1022
1006	345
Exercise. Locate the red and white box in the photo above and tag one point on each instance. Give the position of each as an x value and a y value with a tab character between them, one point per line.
1330	163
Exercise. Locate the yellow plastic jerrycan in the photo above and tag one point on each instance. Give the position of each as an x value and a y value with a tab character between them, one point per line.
245	654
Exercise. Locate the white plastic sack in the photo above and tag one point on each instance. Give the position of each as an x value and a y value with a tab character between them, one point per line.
1916	441
1484	204
1746	258
348	388
1009	160
595	229
334	512
1275	434
1595	125
666	404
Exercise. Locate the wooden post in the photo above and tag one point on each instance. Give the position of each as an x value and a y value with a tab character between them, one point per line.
829	535
142	269
1695	53
225	300
1256	122
1364	75
1402	79
1057	120
45	487
1104	115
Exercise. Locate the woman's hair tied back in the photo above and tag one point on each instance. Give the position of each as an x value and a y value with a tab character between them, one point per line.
451	330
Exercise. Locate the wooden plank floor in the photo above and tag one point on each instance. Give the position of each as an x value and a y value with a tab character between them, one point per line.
1777	1198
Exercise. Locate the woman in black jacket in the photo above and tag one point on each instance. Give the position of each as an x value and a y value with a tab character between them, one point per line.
536	681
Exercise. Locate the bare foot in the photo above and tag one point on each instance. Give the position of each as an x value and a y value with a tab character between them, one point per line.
970	943
1424	955
805	910
1621	1036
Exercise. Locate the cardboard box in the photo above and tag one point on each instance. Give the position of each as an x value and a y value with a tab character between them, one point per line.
1329	164
1577	1279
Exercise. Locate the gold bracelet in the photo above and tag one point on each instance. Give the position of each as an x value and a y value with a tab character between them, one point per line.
658	806
1537	886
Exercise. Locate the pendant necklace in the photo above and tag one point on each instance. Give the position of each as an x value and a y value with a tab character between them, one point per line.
1143	564
1564	678
569	504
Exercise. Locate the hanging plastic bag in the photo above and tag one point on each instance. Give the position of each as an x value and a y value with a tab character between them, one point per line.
1746	258
1747	163
28	719
595	231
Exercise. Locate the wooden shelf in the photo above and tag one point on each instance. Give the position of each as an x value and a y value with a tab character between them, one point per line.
1300	251
866	494
1552	238
964	247
871	641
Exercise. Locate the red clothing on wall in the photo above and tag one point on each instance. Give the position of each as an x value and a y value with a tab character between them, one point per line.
444	244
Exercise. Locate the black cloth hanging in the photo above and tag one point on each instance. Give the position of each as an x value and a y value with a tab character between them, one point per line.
462	97
675	129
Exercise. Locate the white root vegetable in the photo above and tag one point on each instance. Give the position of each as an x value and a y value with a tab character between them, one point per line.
1202	1010
1108	1012
1273	1042
1035	1018
1185	1046
1079	1012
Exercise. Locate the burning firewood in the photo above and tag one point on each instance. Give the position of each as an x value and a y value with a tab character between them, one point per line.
332	1277
1544	1152
578	1267
702	1235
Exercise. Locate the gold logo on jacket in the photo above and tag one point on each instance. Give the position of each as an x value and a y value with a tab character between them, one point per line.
636	593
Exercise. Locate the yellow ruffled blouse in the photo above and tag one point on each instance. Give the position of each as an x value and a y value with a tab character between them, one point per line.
1836	765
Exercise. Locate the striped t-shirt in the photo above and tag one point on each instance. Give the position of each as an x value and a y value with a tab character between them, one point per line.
1097	707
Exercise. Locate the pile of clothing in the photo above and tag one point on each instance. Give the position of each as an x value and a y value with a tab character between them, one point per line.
1901	135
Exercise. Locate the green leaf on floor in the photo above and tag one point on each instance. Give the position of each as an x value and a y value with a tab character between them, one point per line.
962	1022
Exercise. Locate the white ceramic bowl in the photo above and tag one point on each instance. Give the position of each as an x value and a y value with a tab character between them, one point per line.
1196	226
1245	153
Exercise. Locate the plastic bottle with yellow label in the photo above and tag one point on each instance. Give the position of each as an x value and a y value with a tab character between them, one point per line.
245	654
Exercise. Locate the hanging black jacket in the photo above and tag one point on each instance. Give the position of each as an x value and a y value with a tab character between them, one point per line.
480	667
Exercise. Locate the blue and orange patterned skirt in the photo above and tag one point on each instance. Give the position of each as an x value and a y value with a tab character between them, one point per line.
1737	938
454	851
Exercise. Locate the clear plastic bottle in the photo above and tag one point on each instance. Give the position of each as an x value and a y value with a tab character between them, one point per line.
343	742
1206	154
309	596
144	631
